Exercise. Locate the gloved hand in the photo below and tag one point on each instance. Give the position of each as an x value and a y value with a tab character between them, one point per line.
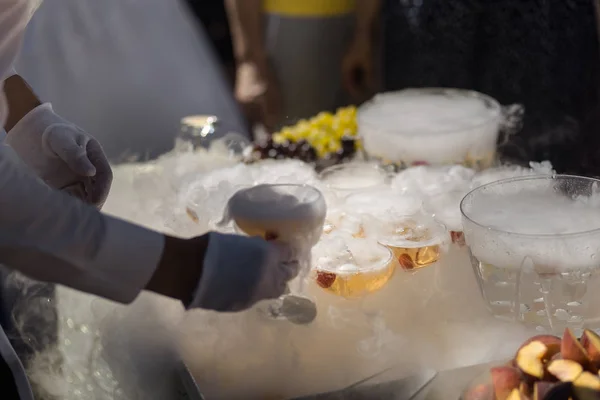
62	155
239	271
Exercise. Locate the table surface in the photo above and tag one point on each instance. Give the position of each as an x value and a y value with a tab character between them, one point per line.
449	385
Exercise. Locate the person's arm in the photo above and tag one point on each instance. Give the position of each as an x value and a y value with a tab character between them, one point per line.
85	249
20	98
367	14
246	20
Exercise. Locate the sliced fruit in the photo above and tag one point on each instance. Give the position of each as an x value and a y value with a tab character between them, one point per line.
530	359
565	370
571	349
514	395
505	380
587	380
325	279
548	340
590	342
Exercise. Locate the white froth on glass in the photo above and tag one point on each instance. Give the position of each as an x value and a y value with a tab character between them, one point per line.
354	176
510	222
511	171
382	203
446	209
439	126
430	181
346	255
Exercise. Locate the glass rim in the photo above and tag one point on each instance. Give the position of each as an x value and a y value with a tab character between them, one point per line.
322	176
494	105
500	182
385	261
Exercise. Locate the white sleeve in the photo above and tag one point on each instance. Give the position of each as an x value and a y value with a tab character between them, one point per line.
52	237
14	17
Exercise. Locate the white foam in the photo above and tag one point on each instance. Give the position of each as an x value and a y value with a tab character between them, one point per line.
446	209
423	113
511	171
526	212
355	176
431	181
420	125
344	254
382	203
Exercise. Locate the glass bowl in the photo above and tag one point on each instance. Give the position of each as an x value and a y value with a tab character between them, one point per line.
431	126
534	244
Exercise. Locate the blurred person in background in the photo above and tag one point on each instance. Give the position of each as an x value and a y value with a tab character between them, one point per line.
213	16
127	71
542	54
288	55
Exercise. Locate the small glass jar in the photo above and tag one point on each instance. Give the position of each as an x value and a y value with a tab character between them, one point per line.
196	131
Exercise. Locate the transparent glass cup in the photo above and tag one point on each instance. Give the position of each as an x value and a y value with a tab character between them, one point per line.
534	244
289	213
416	240
345	179
346	271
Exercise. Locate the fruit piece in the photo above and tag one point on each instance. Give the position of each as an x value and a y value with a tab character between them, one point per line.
571	349
505	380
525	389
587	380
513	395
565	370
590	342
530	359
325	279
480	392
406	262
541	389
548	340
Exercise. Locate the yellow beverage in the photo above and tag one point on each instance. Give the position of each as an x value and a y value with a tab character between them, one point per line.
356	279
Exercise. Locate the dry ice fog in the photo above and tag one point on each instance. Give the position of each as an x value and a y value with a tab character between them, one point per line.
432	317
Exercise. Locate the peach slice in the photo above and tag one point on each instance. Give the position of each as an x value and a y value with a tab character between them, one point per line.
571	349
548	340
587	380
530	359
565	370
480	392
590	342
514	395
504	381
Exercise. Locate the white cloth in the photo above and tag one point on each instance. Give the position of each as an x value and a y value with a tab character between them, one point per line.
126	71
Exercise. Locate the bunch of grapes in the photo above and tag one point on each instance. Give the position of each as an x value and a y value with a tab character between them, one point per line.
325	139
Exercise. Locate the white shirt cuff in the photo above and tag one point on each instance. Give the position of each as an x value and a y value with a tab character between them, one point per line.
126	260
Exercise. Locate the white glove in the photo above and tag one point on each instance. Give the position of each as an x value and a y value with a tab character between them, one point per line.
239	271
63	155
